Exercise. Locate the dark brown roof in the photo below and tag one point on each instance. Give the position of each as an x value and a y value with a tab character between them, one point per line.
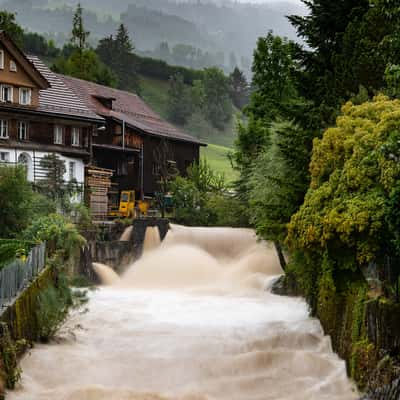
59	99
127	107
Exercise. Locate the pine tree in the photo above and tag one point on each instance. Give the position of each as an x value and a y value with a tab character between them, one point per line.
79	34
123	41
239	88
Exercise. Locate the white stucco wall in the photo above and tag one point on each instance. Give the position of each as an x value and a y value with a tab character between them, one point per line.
14	155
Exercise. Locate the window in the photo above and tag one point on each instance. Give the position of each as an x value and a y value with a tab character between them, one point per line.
25	96
3	129
71	170
22	128
58	134
75	136
1	59
4	157
13	66
6	93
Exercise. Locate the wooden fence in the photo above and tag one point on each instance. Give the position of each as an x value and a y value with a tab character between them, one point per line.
16	276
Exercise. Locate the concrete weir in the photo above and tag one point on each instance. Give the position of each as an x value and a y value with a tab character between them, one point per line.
119	248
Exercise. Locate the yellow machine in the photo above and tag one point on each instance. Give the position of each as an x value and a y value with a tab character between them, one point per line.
126	207
127	204
144	206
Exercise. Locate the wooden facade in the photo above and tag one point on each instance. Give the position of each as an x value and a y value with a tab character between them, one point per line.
130	137
111	134
39	116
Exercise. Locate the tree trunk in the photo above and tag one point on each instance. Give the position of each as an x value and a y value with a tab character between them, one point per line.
281	256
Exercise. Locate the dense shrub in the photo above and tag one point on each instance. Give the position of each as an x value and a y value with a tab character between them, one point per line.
15	198
350	215
58	231
202	198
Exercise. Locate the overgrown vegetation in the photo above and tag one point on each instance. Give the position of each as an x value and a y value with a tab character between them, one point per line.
319	160
204	199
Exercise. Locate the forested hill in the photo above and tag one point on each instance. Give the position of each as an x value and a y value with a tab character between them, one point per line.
197	34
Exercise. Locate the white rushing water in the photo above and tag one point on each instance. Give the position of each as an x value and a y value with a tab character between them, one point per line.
190	321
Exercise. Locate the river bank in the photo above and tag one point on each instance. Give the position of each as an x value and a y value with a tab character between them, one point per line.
365	332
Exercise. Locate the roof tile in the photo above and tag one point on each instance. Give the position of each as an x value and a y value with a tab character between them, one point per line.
59	99
127	107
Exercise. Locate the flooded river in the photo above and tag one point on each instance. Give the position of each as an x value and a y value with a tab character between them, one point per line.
192	320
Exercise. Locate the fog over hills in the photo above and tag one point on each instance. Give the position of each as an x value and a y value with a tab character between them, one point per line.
228	30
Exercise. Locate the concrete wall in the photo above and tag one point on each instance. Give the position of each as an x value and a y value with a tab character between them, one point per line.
114	253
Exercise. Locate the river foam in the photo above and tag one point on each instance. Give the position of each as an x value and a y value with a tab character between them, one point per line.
191	320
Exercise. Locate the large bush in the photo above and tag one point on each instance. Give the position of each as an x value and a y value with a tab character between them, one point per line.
58	231
354	170
15	200
202	198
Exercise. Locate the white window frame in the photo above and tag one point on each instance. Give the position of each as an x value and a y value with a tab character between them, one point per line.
21	124
11	91
58	134
13	66
28	102
4	128
4	156
75	136
1	59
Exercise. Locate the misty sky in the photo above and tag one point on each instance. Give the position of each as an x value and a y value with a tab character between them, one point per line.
271	1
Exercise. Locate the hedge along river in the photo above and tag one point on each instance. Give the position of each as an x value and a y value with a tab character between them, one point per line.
191	320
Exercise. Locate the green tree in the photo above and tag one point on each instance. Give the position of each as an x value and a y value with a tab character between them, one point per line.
279	181
79	35
179	100
274	97
87	66
9	25
239	88
203	198
217	104
273	77
54	186
117	53
337	37
15	200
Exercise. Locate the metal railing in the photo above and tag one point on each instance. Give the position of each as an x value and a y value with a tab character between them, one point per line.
17	275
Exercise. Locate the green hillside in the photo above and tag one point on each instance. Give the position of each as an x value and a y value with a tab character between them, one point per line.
217	157
155	93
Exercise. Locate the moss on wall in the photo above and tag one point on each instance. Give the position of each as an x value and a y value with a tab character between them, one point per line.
365	332
21	316
19	328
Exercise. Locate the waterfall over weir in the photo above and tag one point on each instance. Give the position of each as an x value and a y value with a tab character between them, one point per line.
191	320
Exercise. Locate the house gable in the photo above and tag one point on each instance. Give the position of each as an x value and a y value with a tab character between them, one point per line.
19	73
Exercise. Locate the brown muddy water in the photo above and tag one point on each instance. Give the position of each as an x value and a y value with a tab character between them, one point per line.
192	320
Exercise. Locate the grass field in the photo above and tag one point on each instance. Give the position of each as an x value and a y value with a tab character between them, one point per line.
155	93
217	157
